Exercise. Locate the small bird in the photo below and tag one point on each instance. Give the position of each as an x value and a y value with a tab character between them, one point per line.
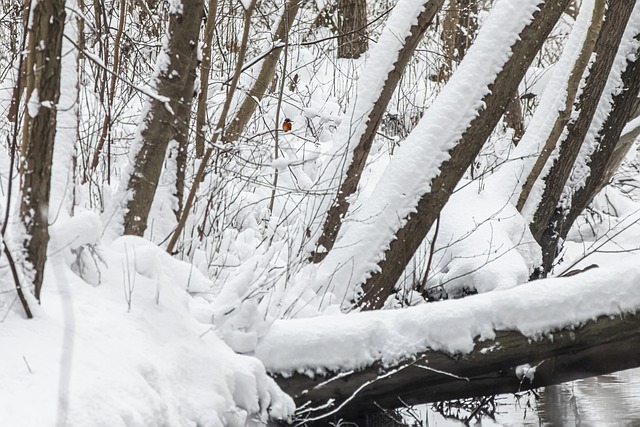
286	125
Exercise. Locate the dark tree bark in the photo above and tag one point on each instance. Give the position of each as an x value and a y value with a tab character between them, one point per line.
183	114
605	345
513	118
599	165
349	186
407	240
459	27
39	130
545	226
352	32
165	120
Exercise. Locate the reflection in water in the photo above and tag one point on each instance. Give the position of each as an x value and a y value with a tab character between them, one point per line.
607	400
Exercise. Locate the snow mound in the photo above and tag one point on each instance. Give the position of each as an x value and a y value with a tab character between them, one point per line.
127	351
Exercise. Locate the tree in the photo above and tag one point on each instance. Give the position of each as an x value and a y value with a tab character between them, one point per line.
39	131
369	113
352	28
408	238
545	226
167	115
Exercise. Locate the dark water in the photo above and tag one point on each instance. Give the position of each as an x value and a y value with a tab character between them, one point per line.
608	400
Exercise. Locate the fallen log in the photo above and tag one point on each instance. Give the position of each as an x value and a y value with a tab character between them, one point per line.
509	363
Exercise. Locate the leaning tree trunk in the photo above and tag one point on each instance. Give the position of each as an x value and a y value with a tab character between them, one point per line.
348	187
563	117
599	166
39	130
408	238
352	31
545	226
166	114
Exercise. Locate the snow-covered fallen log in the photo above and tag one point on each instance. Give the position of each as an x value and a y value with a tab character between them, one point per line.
541	333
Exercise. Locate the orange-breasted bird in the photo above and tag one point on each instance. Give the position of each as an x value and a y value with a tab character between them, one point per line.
286	125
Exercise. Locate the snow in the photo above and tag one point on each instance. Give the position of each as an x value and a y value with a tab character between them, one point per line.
512	175
129	351
367	232
629	47
356	340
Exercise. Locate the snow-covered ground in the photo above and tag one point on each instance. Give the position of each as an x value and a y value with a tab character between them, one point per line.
127	346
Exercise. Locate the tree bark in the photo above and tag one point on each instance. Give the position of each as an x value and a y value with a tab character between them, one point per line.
408	238
572	89
601	165
349	186
598	347
545	226
352	32
205	71
39	130
164	121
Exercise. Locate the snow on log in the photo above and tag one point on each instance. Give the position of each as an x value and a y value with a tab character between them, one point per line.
567	328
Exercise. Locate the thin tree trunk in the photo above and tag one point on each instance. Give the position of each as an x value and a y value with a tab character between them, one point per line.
408	238
543	227
39	131
205	71
163	121
572	89
352	22
336	212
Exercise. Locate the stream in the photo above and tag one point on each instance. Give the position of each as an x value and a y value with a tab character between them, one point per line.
607	400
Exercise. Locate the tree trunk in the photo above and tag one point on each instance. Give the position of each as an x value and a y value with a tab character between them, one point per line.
572	89
459	27
164	120
352	23
349	186
381	284
205	71
545	226
598	347
599	165
39	131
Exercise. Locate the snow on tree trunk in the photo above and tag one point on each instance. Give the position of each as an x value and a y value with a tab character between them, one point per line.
511	177
425	170
376	85
39	131
594	106
165	115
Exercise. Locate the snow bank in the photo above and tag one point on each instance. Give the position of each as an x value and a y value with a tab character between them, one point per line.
353	341
128	351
